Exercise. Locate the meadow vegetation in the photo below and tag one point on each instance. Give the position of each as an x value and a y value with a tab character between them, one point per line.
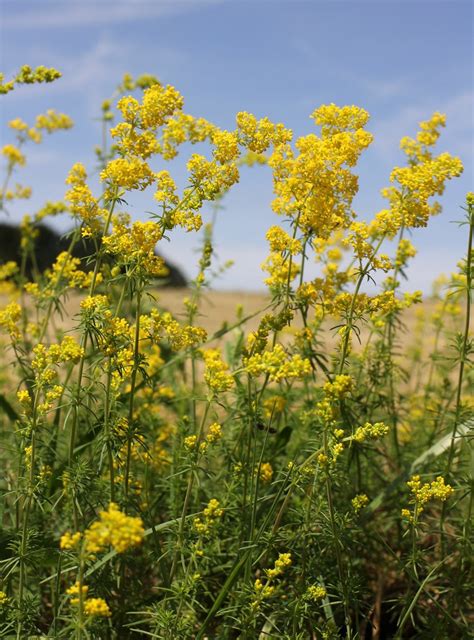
303	470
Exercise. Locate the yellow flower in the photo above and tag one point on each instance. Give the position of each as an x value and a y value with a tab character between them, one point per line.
266	472
159	103
371	431
215	375
70	540
116	529
13	155
97	607
129	173
359	502
315	593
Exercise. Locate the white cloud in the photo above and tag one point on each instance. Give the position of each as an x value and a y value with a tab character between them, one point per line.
52	14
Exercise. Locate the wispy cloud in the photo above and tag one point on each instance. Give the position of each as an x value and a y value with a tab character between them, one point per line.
50	14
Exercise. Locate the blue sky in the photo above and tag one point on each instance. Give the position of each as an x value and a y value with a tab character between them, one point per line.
401	60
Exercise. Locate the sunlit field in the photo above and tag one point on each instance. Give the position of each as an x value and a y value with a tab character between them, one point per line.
185	463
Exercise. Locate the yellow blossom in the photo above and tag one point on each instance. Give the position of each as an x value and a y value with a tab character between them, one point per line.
114	528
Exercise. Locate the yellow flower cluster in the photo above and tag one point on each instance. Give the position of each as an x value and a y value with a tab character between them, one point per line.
134	247
46	358
423	178
423	493
359	502
76	589
64	273
179	336
130	142
13	155
418	150
405	250
130	173
53	121
370	431
282	270
315	593
92	606
277	365
70	540
267	589
19	193
211	513
274	406
27	75
97	607
9	320
82	203
216	374
3	598
213	435
340	387
265	472
258	135
113	528
209	179
283	561
280	240
315	185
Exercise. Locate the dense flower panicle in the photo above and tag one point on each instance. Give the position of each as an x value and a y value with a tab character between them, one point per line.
13	155
340	387
9	319
371	431
209	178
265	472
259	135
27	75
179	336
64	274
159	103
130	173
280	240
277	364
70	540
422	493
281	563
135	246
75	591
282	270
359	502
226	146
66	351
129	141
414	185
315	593
314	184
333	119
82	203
53	121
97	607
216	374
437	489
211	515
115	529
418	150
